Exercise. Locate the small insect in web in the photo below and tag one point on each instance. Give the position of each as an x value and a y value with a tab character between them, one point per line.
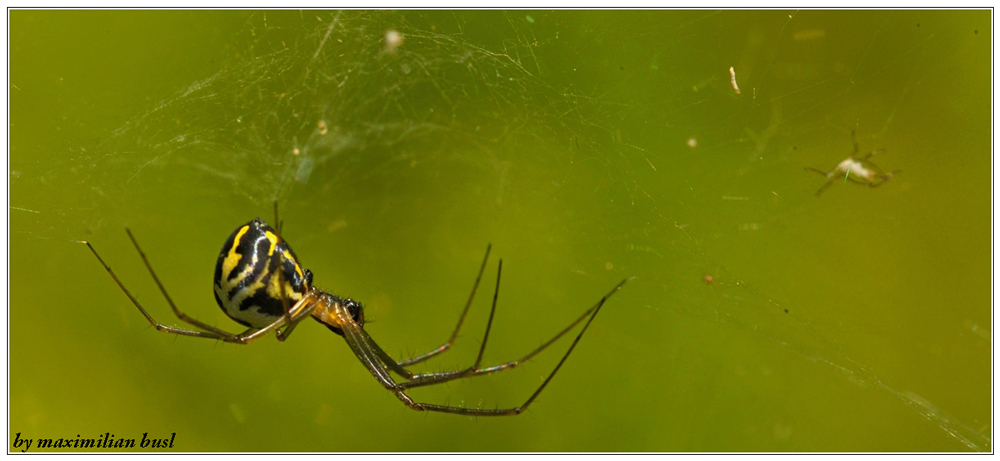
858	170
260	284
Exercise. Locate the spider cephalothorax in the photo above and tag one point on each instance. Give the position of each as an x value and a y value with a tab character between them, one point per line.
353	307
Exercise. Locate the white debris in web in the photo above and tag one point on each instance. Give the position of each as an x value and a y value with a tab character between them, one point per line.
732	80
393	40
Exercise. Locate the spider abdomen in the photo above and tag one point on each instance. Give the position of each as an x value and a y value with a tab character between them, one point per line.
258	275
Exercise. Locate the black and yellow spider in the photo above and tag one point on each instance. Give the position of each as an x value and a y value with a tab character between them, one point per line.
260	284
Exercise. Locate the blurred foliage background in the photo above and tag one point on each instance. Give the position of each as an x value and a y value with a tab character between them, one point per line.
586	146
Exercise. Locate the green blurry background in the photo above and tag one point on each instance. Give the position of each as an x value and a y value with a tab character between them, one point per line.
859	320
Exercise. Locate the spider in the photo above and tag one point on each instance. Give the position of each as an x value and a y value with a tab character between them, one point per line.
855	170
260	284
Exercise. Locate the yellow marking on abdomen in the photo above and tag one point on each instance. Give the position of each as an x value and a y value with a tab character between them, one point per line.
233	258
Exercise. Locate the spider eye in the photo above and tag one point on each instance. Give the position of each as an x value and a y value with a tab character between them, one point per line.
257	275
357	312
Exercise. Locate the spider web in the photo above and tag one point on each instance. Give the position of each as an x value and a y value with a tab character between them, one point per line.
332	100
291	104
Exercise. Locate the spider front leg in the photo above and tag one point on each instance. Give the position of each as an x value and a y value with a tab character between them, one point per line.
461	319
282	334
372	356
427	379
825	175
398	367
884	178
821	189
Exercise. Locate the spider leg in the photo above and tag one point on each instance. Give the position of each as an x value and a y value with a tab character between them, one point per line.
398	367
287	316
884	178
869	155
872	165
427	379
355	337
368	352
281	283
461	319
284	334
180	315
821	189
277	222
308	305
825	174
305	306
